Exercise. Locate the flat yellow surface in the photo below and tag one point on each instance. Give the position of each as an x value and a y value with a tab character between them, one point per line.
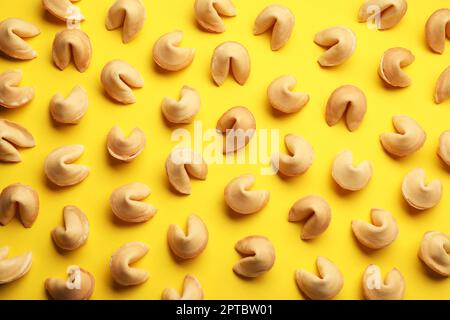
214	267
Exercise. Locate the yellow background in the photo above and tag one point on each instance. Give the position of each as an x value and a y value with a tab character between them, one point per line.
214	267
